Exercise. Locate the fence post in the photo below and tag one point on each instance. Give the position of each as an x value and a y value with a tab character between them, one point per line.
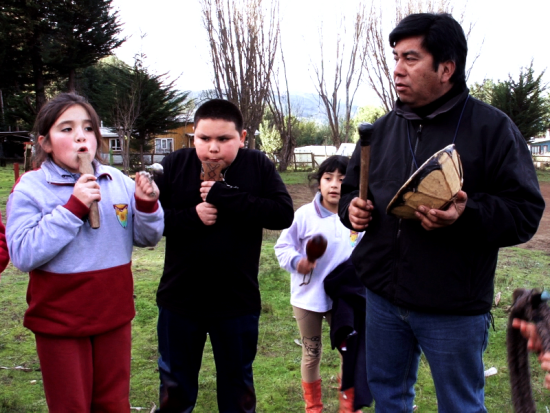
28	156
294	157
312	161
16	171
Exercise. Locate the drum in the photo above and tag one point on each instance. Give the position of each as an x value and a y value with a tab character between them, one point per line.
435	185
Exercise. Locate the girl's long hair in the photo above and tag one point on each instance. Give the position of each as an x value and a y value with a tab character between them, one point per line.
48	115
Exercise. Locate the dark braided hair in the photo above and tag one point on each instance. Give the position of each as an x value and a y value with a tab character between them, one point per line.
529	306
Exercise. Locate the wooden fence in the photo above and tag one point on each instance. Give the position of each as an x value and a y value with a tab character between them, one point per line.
541	161
302	161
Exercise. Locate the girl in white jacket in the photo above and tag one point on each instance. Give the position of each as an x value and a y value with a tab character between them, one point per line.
309	301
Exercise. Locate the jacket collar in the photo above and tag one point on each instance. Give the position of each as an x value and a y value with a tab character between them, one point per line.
403	110
60	176
321	211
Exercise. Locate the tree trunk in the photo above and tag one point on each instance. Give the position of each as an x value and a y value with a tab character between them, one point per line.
71	84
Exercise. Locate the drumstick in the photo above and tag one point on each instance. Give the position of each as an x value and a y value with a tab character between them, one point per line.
365	134
85	167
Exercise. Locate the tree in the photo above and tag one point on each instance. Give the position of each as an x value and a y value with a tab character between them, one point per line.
368	114
46	41
82	32
243	38
379	61
281	110
138	104
347	65
523	100
483	91
309	132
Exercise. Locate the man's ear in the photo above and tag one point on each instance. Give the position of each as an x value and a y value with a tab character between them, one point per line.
242	138
447	70
46	146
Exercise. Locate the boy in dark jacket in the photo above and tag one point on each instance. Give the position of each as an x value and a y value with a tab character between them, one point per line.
213	235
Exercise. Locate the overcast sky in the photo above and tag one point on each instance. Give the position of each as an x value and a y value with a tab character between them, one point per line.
507	33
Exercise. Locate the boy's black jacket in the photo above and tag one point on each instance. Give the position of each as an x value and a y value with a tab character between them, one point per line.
448	270
212	271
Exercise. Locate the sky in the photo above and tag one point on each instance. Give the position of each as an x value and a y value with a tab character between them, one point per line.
507	35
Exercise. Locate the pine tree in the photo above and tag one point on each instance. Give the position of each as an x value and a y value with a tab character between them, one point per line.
524	102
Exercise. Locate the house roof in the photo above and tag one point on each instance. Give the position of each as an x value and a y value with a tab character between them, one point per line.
108	132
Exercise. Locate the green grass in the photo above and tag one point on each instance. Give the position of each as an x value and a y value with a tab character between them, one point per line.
543	175
277	365
291	178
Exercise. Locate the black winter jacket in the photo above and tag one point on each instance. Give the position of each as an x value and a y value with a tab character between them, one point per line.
212	271
448	270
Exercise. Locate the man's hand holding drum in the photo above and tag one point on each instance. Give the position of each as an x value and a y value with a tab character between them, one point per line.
435	218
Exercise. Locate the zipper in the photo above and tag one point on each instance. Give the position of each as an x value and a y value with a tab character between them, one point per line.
398	234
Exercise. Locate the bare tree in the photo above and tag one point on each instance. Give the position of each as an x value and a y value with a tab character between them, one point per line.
127	109
243	37
281	109
379	64
348	64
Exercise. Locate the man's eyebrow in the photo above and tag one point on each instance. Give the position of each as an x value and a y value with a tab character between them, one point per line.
407	53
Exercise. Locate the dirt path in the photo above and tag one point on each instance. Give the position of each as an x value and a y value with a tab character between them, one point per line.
301	194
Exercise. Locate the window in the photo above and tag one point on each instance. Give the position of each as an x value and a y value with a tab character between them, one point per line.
164	145
114	144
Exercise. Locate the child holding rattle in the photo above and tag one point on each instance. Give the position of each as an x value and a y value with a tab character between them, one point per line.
80	291
309	301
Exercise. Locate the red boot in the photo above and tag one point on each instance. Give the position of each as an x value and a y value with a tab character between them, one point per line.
312	396
346	399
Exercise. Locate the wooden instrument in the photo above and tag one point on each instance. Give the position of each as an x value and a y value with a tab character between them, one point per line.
316	247
435	185
212	171
365	134
85	167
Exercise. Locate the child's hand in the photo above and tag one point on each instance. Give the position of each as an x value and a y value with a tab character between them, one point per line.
86	189
207	213
544	359
529	331
146	188
205	188
305	266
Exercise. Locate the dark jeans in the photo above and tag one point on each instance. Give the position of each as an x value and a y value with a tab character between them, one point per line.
181	344
453	346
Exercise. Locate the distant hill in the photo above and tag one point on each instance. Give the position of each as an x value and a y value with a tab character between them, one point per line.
305	105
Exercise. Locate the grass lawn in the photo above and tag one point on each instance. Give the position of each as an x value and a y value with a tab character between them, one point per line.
277	365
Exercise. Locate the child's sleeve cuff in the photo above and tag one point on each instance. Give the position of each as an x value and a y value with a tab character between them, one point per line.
77	207
146	206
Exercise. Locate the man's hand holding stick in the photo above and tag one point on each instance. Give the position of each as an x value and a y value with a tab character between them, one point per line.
360	208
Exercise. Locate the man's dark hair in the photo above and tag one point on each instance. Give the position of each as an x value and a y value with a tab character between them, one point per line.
443	38
220	109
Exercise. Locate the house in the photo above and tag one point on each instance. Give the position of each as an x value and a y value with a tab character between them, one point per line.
540	145
181	137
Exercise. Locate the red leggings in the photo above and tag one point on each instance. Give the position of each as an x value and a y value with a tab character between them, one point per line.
87	374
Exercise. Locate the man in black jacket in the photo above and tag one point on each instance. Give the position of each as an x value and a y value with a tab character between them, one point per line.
430	281
213	235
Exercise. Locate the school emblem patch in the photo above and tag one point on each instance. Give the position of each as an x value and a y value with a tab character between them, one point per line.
353	237
121	211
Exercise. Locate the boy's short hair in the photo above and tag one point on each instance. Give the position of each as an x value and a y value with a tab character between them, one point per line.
220	109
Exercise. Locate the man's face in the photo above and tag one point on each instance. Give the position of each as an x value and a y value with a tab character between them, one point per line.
218	140
415	79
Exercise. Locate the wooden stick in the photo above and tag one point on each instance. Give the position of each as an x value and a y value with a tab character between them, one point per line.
365	134
85	167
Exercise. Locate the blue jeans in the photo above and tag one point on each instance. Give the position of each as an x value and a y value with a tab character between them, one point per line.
453	346
181	344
